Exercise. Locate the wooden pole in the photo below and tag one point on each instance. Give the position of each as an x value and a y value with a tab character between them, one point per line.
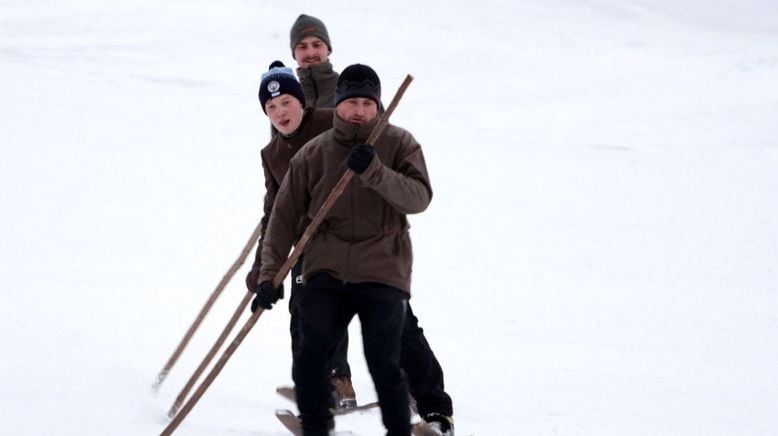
211	353
217	368
207	307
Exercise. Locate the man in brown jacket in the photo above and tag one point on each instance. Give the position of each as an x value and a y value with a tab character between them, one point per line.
311	48
359	261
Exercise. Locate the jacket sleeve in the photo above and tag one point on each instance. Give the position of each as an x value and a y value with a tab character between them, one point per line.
271	190
403	183
281	231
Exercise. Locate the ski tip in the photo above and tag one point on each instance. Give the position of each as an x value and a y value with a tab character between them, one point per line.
284	412
290	421
421	428
286	392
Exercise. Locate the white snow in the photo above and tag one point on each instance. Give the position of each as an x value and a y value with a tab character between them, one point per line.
599	257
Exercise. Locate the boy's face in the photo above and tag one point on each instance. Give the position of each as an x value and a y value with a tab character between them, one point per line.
357	110
310	51
285	112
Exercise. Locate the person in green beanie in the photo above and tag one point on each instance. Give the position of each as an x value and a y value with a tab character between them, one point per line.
311	48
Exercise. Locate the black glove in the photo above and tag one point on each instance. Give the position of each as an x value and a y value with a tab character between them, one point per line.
360	157
266	296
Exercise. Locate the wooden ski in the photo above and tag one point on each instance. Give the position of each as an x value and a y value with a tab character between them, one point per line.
288	393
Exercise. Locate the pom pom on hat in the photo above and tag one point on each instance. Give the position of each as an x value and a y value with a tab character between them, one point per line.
279	80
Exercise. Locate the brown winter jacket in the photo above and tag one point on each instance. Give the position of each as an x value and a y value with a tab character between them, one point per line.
275	160
364	237
319	83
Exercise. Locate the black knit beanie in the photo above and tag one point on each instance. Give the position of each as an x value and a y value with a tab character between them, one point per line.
358	81
305	26
279	80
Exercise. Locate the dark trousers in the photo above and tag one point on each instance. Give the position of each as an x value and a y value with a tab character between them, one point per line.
338	366
425	376
326	306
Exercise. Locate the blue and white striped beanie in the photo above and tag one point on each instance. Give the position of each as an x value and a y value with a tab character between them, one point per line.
279	80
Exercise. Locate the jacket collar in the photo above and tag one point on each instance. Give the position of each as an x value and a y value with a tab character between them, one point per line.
323	69
352	134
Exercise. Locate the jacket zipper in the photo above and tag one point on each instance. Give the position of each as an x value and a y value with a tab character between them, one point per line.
315	91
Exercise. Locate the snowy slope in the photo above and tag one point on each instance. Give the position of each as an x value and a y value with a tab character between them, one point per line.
599	257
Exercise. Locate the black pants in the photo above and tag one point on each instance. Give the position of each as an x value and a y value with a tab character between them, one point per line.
425	376
326	306
338	366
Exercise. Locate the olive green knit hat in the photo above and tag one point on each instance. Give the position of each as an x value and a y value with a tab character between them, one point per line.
305	26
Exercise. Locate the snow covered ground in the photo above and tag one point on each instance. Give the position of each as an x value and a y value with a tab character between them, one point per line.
599	257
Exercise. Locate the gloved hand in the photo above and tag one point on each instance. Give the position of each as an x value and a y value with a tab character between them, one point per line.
266	296
360	157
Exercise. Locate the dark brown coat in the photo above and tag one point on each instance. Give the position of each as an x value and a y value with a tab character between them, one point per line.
364	237
319	82
277	154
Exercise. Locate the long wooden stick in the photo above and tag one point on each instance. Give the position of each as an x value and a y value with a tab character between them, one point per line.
217	368
211	354
207	307
286	267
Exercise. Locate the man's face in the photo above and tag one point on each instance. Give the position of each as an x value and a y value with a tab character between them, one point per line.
285	112
357	110
310	51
